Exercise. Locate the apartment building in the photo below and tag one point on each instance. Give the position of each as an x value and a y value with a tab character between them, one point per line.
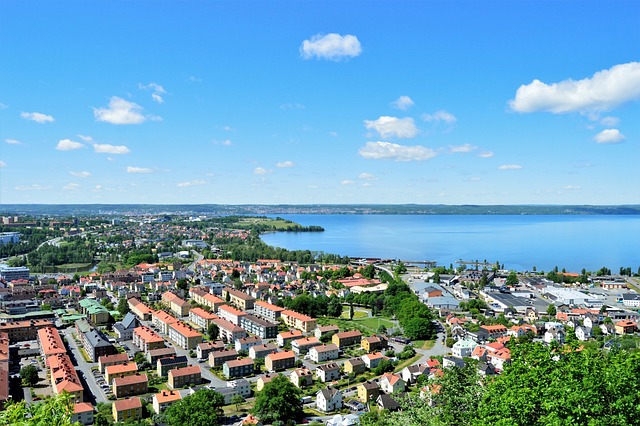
163	320
185	376
246	343
280	361
203	349
302	346
298	321
287	337
178	305
114	359
127	410
238	299
218	358
324	353
328	372
261	351
267	310
20	331
117	370
238	368
154	355
64	377
258	326
201	318
124	386
164	399
142	311
164	365
229	332
147	339
231	314
346	338
202	297
184	335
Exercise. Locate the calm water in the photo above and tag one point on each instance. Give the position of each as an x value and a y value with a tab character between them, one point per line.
520	242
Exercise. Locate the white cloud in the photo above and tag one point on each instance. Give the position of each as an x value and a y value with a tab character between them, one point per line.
37	117
11	141
2	164
85	138
510	167
572	187
485	154
291	106
440	116
403	103
131	169
120	111
285	164
333	134
347	182
367	176
261	171
194	79
157	90
71	186
68	145
333	47
194	182
604	90
609	136
82	174
34	187
392	151
392	126
226	142
110	149
463	148
609	121
474	179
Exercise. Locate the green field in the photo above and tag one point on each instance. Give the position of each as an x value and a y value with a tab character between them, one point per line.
277	223
375	323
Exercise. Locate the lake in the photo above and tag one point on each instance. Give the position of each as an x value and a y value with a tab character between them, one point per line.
518	242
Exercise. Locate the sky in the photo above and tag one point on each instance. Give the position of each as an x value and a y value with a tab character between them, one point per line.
320	102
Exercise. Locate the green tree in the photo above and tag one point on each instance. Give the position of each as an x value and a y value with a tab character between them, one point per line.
123	306
204	407
351	312
418	328
334	309
53	411
213	331
551	310
182	284
237	399
279	400
512	279
29	375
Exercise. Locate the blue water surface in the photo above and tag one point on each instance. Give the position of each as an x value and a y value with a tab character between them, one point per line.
518	242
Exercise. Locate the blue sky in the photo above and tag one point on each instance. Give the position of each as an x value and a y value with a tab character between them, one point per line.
428	102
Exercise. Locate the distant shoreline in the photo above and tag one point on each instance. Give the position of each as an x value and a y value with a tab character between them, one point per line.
337	209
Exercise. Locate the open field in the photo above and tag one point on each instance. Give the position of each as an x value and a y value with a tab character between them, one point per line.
375	323
277	223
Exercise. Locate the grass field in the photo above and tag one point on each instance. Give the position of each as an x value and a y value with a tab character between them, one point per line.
375	323
424	344
356	314
407	362
278	224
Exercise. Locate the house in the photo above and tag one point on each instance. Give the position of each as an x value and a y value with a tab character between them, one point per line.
82	413
229	332
263	380
127	409
391	383
107	360
325	331
178	306
346	338
491	332
354	366
279	361
287	337
372	360
625	327
340	420
607	328
518	331
411	373
301	377
324	353
246	343
329	399
238	368
556	334
463	348
583	333
267	310
154	355
201	318
218	358
124	328
185	376
261	351
499	358
241	386
328	372
386	402
452	361
164	365
302	346
116	370
204	349
373	343
147	339
163	399
96	345
231	314
135	384
368	391
239	299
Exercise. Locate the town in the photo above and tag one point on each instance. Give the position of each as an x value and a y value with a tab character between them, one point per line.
133	319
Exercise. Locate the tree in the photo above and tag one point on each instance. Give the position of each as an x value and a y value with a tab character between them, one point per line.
512	279
183	284
123	306
204	407
351	311
29	375
52	411
334	309
551	310
237	399
213	331
418	328
279	400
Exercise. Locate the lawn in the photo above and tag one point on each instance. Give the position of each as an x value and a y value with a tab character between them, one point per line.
424	344
406	363
375	323
356	313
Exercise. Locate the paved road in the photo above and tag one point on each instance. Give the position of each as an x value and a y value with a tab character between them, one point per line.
85	367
